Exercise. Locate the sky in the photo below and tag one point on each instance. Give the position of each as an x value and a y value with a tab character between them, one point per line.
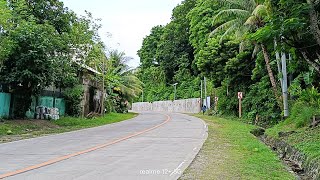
128	21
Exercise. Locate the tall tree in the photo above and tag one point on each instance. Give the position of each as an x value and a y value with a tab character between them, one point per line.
174	47
38	40
149	48
241	17
120	78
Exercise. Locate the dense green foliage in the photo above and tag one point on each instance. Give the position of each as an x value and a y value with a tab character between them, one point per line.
232	44
37	42
43	44
121	83
73	97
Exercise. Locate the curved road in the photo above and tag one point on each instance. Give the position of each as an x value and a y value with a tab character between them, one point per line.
150	146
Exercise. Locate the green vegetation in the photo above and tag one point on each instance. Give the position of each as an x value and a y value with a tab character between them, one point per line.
231	152
237	45
20	129
121	83
79	123
304	139
301	136
43	43
73	97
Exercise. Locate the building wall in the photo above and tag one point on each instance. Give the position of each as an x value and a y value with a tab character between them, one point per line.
182	106
92	95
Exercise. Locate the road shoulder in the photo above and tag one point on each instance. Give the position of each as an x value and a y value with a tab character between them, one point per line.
231	152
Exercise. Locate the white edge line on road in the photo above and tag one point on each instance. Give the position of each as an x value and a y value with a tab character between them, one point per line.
177	169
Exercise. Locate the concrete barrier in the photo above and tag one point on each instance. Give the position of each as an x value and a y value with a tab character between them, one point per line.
182	106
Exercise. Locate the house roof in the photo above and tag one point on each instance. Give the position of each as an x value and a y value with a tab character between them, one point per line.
89	68
84	66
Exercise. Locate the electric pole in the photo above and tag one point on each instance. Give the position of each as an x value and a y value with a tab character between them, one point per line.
142	97
284	84
201	90
205	91
103	74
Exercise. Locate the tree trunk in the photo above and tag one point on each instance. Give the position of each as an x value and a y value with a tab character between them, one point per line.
313	64
314	21
271	76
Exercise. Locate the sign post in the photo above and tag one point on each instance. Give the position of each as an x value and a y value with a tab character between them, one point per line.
240	96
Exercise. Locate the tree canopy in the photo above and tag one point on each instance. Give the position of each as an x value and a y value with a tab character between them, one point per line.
43	43
235	44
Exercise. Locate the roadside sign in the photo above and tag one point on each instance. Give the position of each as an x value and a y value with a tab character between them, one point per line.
240	96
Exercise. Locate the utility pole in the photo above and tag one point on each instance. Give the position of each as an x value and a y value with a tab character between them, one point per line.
205	91
201	91
103	74
284	77
142	97
284	84
282	69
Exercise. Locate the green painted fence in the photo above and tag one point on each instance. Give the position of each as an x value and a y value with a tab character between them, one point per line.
51	102
46	101
61	105
5	99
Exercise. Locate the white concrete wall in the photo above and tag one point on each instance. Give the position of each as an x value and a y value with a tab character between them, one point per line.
183	106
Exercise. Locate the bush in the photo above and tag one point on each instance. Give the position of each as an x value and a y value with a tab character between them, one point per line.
109	105
302	114
73	97
307	106
260	101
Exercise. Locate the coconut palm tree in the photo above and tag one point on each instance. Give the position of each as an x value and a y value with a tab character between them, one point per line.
120	77
241	17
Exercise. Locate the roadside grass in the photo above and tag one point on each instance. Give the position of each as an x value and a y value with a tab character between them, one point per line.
305	139
232	152
79	123
11	130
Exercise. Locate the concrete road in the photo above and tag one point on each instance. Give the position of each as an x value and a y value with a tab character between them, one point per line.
150	146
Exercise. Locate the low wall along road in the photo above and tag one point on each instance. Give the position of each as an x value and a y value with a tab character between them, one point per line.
181	106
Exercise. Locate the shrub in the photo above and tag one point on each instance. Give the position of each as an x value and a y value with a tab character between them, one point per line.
73	97
302	113
307	106
109	105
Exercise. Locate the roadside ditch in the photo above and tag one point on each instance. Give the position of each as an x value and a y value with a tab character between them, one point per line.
302	166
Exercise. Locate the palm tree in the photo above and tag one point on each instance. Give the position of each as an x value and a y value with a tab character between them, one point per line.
120	77
239	18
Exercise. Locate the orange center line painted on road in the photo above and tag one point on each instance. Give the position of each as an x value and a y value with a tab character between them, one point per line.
52	161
